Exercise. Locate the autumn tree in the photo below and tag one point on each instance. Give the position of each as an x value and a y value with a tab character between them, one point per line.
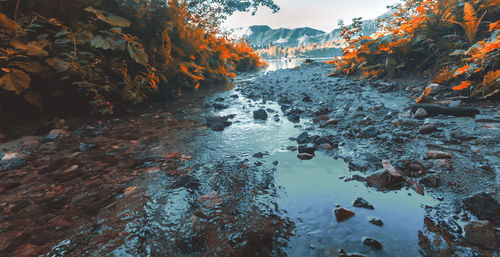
112	52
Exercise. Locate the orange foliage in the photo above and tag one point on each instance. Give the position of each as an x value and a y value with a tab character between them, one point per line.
426	92
461	70
414	20
463	85
445	76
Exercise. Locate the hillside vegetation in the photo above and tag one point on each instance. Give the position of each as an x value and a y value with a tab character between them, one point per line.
81	55
456	43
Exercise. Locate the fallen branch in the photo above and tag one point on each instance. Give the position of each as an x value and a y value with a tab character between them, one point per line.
434	109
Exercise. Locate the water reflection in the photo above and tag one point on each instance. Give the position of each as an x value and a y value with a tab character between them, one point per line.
310	191
290	63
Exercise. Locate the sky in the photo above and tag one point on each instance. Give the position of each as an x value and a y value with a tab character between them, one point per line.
318	14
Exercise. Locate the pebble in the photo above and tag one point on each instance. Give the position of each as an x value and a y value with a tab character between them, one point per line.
372	243
375	221
260	114
362	203
303	138
305	156
420	113
342	214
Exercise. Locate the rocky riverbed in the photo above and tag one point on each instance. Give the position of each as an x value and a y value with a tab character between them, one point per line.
288	162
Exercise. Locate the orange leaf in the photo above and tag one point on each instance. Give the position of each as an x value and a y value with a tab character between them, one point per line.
463	85
461	70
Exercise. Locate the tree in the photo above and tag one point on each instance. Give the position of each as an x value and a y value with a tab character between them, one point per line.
224	8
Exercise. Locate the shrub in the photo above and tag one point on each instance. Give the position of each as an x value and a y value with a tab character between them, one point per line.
110	52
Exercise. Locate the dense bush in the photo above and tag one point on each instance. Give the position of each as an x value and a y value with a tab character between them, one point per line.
104	53
432	37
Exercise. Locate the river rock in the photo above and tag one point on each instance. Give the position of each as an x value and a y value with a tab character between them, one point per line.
219	106
187	181
428	129
386	178
294	117
305	156
481	233
307	148
260	114
12	160
303	138
420	113
432	180
433	154
375	221
325	146
54	134
343	253
372	243
369	131
332	122
342	214
218	123
322	140
323	117
484	207
362	203
258	155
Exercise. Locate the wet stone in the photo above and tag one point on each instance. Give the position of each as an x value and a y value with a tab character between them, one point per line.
219	123
325	147
431	180
322	140
303	138
432	154
369	131
294	117
307	148
375	221
187	181
382	179
260	114
54	134
342	214
305	156
481	233
484	207
343	253
428	129
362	203
219	106
12	160
372	243
258	155
420	113
291	148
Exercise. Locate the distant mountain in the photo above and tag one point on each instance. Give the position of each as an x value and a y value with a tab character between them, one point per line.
262	36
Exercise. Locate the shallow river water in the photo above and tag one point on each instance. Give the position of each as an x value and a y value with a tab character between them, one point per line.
235	204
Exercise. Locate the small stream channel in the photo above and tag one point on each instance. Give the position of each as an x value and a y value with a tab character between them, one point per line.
233	203
309	191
